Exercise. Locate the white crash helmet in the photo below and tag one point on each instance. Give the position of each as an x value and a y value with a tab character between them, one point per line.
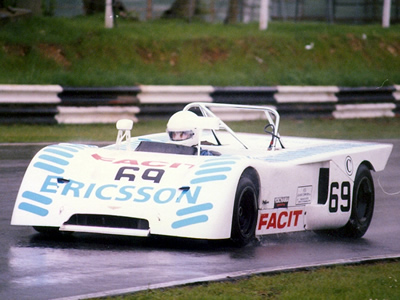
182	128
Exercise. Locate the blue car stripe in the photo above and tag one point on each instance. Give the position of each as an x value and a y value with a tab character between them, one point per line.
59	152
54	159
37	197
49	168
218	163
190	221
214	170
194	209
207	179
219	158
70	149
33	209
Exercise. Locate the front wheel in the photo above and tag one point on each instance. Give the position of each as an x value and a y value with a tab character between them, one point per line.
363	205
244	212
47	230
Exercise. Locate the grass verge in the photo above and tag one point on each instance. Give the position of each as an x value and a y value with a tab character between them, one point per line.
81	52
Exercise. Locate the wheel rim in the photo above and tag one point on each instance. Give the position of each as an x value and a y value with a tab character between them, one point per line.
364	200
246	211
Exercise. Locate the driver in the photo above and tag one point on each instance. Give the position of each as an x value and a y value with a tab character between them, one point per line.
182	130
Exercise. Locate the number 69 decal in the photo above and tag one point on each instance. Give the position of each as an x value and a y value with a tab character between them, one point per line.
340	197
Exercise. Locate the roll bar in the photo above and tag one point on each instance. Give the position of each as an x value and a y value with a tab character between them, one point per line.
271	114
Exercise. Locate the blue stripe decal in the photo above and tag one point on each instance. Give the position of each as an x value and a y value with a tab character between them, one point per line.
33	209
48	168
190	221
54	159
194	209
70	149
207	179
214	170
225	157
37	197
77	146
59	152
218	163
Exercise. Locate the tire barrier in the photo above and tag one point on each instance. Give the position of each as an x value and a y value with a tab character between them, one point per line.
51	104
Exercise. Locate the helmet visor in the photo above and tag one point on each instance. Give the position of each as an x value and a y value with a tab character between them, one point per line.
180	135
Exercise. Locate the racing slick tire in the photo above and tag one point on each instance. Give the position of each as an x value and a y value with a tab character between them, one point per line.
47	230
362	206
244	217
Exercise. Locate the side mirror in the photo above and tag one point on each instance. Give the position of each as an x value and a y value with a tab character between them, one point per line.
124	124
124	127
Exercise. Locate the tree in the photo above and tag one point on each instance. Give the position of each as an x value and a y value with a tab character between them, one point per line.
149	10
93	6
186	9
183	9
233	12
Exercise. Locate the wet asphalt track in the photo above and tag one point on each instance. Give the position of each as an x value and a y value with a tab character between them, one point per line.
35	267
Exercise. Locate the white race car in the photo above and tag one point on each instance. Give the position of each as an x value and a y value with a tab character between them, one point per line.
229	185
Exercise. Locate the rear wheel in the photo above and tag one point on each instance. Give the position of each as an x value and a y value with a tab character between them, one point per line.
244	212
363	205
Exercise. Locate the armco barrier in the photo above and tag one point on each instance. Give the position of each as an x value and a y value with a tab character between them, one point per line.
29	103
306	101
366	102
163	101
396	95
56	104
80	105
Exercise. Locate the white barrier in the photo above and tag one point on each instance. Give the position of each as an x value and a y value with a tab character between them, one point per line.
97	114
165	94
306	94
358	111
30	93
396	94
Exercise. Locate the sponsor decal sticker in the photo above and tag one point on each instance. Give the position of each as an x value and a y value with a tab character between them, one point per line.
281	202
282	220
348	164
304	194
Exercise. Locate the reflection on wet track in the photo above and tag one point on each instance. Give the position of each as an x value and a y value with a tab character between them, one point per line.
34	266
